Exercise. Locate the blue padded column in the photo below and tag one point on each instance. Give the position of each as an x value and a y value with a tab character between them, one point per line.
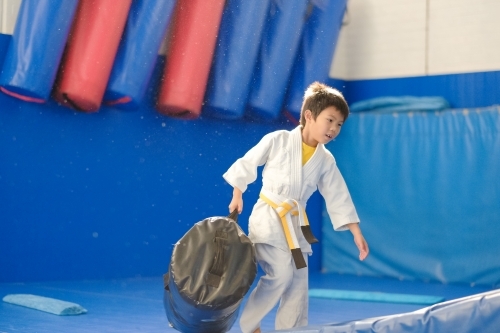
235	56
316	50
4	45
146	26
33	57
280	42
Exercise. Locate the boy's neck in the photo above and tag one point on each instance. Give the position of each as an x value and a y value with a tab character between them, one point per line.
306	138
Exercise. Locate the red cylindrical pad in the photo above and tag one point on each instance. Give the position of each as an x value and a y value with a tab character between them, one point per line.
90	52
189	57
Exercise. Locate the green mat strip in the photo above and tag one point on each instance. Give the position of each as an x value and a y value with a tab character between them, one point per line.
367	296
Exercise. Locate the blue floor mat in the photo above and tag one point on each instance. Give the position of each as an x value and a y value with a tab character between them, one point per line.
136	305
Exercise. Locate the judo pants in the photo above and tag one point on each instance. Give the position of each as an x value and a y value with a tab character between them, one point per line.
282	282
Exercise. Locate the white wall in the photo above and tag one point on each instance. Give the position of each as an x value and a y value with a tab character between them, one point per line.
8	15
399	38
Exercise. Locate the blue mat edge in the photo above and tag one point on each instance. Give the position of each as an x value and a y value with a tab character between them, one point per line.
367	296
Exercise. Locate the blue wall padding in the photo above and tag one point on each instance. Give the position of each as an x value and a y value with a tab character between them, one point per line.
133	66
151	165
316	50
476	313
427	191
278	49
36	48
234	58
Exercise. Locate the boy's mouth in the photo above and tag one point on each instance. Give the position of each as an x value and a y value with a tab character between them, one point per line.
329	136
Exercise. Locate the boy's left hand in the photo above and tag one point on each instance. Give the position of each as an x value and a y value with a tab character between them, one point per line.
362	245
359	240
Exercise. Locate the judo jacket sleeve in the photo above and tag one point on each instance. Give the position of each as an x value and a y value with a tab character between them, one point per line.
244	170
338	201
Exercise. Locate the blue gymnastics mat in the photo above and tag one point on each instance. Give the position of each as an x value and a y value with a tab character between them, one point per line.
136	305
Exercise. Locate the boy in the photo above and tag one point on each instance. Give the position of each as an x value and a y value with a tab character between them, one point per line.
296	163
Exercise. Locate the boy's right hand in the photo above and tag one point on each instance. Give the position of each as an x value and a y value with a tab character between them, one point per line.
237	201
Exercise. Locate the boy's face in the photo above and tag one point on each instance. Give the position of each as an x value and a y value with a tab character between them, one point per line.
326	126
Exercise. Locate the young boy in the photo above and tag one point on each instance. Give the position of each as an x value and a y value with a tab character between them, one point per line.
296	163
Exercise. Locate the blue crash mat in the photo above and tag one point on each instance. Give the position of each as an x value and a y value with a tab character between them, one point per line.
476	313
366	296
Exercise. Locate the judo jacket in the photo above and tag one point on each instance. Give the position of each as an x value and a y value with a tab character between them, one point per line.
284	177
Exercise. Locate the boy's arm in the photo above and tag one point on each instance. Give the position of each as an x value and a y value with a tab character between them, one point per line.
237	201
244	170
359	240
338	201
340	206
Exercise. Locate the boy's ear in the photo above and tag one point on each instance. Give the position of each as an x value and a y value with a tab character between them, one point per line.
308	115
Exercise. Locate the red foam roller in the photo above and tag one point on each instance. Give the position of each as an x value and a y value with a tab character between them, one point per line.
90	52
191	48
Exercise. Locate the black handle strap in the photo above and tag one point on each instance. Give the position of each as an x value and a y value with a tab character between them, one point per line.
234	215
214	275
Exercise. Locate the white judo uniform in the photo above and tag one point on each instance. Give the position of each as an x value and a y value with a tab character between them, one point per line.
285	180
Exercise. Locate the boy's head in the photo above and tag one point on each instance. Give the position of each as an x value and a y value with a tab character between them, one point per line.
319	96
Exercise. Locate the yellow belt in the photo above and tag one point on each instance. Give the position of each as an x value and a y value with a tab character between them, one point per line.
284	209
